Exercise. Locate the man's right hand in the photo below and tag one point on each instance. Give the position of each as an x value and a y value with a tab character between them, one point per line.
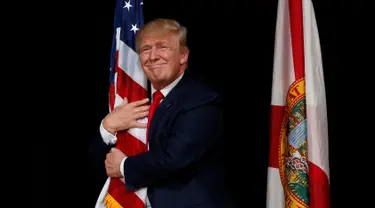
125	116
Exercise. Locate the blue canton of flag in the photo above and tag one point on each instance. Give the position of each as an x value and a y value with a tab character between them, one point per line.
129	18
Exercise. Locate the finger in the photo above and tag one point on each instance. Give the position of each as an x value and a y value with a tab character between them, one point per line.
109	158
108	172
140	125
141	108
140	115
140	102
114	149
108	163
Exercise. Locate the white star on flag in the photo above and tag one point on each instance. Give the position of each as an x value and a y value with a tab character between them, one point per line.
134	28
127	5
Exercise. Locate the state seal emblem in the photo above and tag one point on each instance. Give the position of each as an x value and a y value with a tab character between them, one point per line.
293	148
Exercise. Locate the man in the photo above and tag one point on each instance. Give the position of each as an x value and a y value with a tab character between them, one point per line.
182	167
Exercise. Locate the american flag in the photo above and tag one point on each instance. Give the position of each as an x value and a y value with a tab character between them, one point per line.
126	77
127	80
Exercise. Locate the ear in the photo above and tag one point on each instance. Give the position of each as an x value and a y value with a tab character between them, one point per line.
184	55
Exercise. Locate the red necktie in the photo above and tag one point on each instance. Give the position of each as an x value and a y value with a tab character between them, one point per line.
157	97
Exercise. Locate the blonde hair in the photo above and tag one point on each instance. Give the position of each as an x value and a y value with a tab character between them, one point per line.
163	26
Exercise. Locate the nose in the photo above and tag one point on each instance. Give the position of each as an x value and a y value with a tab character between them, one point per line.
154	54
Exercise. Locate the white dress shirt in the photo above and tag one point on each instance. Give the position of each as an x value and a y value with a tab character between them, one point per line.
109	138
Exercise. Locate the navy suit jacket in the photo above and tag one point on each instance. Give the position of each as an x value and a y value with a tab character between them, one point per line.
184	166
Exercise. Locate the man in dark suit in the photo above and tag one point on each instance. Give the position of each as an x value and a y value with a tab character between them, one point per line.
183	166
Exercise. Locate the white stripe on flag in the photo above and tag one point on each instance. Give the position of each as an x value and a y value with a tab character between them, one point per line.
275	193
139	133
130	64
118	99
317	123
283	72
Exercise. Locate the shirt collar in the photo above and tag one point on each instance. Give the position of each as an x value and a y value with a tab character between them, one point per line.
168	88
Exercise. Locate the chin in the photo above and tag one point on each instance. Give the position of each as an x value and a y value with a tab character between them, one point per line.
159	80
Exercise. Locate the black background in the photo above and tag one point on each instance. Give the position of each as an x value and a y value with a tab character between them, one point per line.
231	44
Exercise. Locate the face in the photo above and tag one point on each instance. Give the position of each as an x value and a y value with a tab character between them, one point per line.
162	59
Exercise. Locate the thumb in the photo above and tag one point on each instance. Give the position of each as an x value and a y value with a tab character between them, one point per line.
114	149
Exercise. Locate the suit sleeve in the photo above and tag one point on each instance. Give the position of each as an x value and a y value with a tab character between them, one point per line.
195	131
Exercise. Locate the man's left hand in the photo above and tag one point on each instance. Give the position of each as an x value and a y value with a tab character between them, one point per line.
112	163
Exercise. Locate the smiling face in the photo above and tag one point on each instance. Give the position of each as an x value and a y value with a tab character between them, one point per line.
162	59
163	52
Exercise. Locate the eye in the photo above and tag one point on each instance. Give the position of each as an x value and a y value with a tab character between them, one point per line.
143	50
163	47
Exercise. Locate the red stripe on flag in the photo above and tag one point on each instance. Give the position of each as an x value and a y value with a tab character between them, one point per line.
130	145
296	28
319	187
127	87
111	96
276	120
124	197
